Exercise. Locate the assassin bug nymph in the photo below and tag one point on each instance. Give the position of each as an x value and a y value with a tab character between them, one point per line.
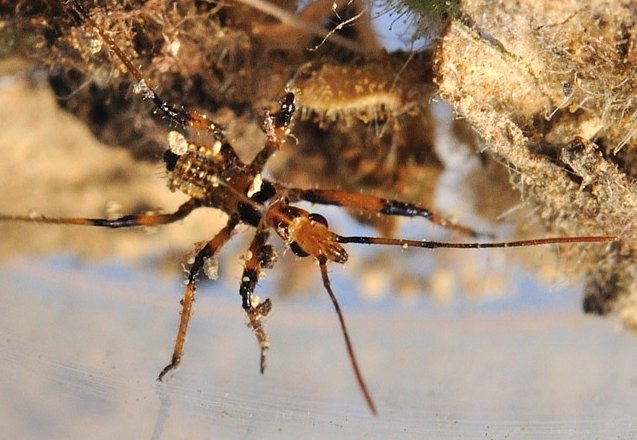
203	164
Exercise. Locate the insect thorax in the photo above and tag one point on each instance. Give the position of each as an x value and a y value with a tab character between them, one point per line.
198	170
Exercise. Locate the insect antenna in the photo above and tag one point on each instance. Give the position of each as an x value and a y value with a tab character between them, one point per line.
428	245
502	244
348	343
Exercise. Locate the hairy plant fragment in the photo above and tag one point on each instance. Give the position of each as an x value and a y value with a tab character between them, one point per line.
549	87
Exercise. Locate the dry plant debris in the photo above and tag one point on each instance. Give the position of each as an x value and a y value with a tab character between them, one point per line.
549	87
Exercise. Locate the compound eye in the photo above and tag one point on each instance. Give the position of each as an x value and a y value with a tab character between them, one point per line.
298	250
318	218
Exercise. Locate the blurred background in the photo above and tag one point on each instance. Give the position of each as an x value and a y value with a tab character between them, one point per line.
82	344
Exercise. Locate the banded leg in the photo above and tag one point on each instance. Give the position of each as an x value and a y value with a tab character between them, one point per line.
276	130
260	255
348	344
194	120
375	204
208	251
127	221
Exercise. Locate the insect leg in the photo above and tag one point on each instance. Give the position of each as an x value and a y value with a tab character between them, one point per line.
375	204
350	349
276	130
260	255
127	221
208	251
143	86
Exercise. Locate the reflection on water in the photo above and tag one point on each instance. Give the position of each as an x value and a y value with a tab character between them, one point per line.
82	344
